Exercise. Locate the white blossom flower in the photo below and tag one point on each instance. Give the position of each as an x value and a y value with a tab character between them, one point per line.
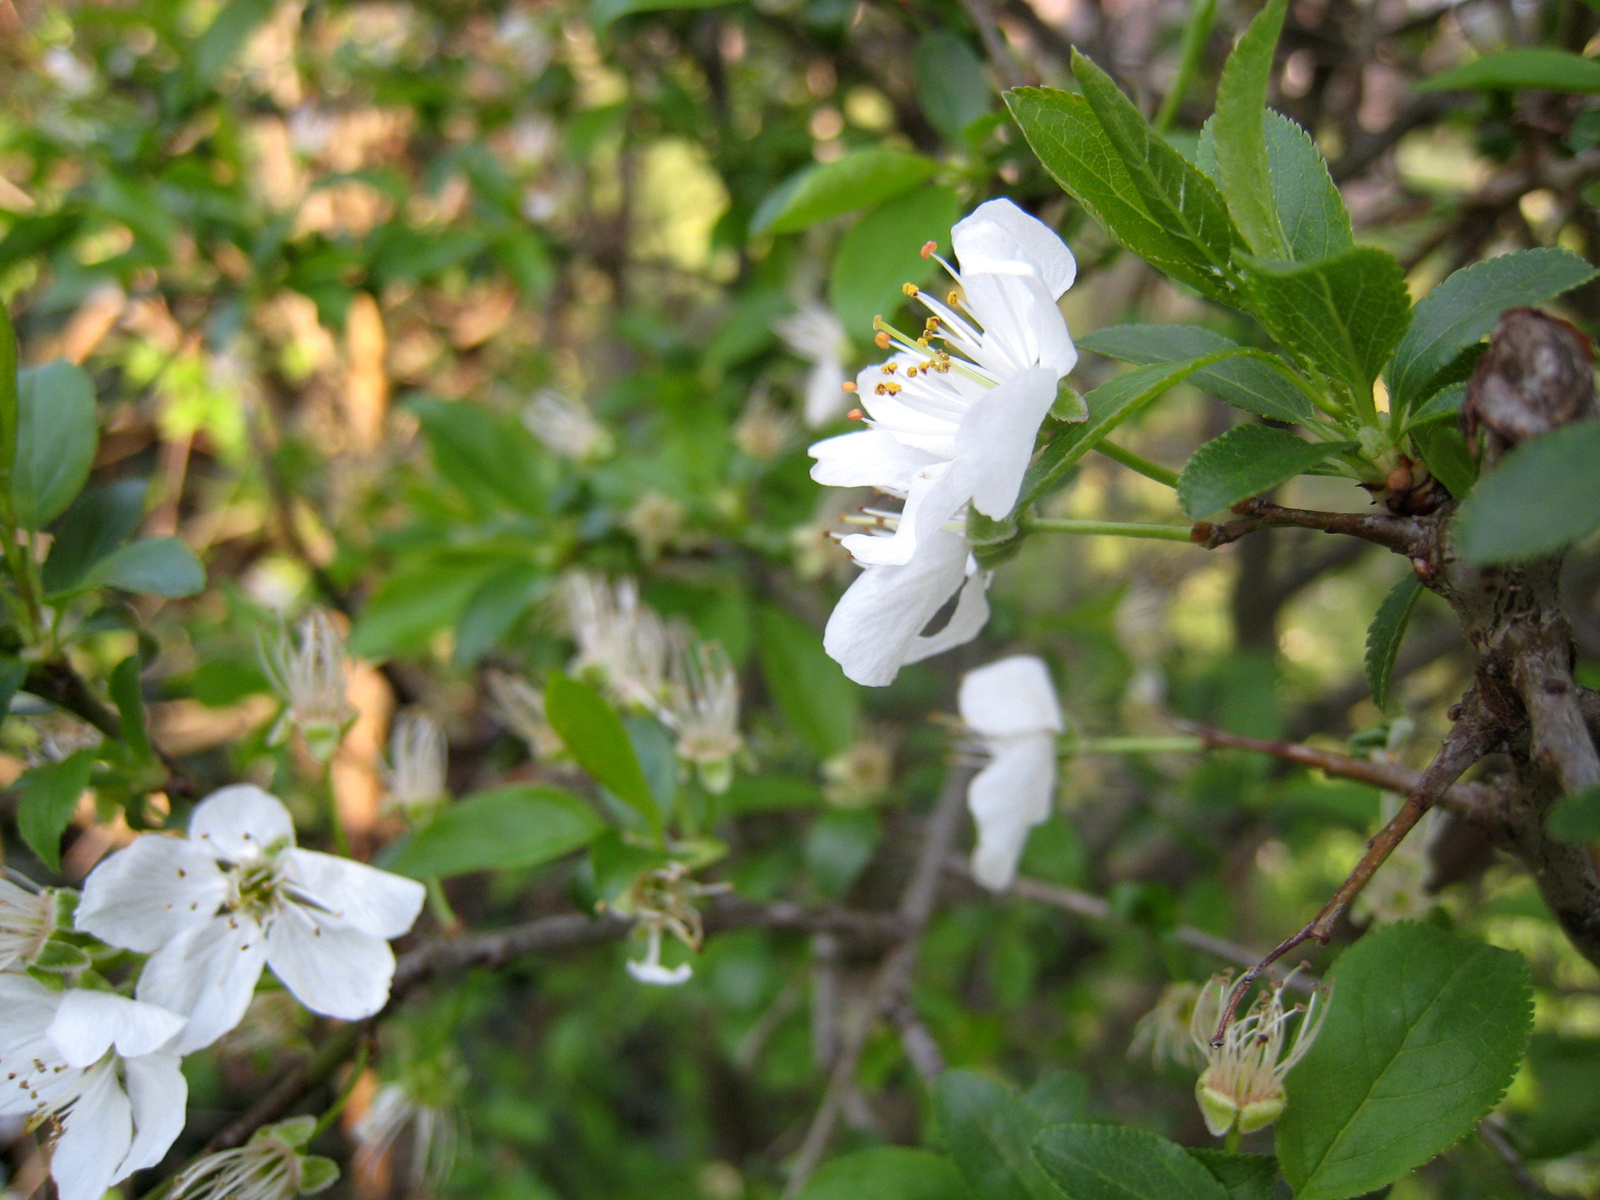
565	426
619	637
956	424
27	921
1243	1080
702	706
429	1127
415	775
272	1165
1011	706
212	909
816	335
98	1067
308	672
878	625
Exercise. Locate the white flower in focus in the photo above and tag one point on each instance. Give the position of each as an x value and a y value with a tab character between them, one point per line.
956	423
1163	1033
1011	706
619	637
519	706
270	1166
878	625
98	1068
702	707
816	335
27	921
236	895
415	775
431	1132
1243	1080
565	427
308	672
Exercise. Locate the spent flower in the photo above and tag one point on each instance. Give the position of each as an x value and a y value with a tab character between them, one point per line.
1164	1033
566	427
272	1165
519	706
415	773
308	670
702	706
619	637
1242	1084
28	919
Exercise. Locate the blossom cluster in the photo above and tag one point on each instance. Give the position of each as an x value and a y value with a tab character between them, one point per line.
211	911
953	417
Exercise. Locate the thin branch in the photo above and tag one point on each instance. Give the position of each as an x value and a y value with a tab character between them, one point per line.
1403	535
1489	1130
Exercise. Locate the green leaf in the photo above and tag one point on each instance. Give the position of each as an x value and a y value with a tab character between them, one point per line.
1311	211
417	601
1173	190
485	454
617	862
225	37
1067	136
1105	1162
1247	382
1423	1034
1445	404
1544	495
863	179
1244	462
952	85
495	607
8	398
1109	405
887	1173
884	250
99	521
1384	635
1444	452
603	12
49	795
1240	138
989	1133
522	825
125	694
1576	818
1245	1176
818	702
56	439
1514	70
596	737
1341	315
1465	306
839	844
13	673
151	567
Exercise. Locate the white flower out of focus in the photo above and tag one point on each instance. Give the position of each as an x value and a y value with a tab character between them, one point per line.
237	895
270	1166
816	335
619	637
308	671
1011	706
27	921
428	1127
418	757
566	427
1243	1081
100	1070
519	706
702	707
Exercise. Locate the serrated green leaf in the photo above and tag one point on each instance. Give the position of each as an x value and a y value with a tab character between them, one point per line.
1576	818
1109	405
1105	1162
48	796
57	434
596	737
1543	496
151	567
1311	212
1244	462
863	179
989	1133
1444	452
1459	311
887	1173
1515	70
1064	132
883	251
1445	404
818	702
522	825
1385	633
1423	1034
1239	134
1341	316
1245	1176
1247	382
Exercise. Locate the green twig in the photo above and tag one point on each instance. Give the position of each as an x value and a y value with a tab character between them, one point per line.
1128	529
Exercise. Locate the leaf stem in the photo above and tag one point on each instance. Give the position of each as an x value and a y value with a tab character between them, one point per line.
1135	462
1176	744
1196	32
1128	529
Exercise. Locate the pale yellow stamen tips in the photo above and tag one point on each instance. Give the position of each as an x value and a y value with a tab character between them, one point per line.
909	289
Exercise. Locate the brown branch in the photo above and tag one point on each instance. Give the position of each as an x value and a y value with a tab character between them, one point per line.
1403	535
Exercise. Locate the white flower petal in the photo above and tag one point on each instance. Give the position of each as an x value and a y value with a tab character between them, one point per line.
158	1094
998	232
996	440
1023	328
654	972
209	975
87	1024
1007	799
377	902
95	1134
965	623
867	458
331	969
142	897
825	394
1010	697
936	494
876	626
241	822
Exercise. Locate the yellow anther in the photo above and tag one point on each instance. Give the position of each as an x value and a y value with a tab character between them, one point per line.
889	368
953	299
909	289
848	385
881	341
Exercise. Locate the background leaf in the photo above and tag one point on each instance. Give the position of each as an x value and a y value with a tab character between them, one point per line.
818	702
1384	635
990	1133
884	250
596	737
1515	70
1576	818
1246	381
56	439
887	1173
151	567
1105	1162
522	825
48	797
860	180
952	83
